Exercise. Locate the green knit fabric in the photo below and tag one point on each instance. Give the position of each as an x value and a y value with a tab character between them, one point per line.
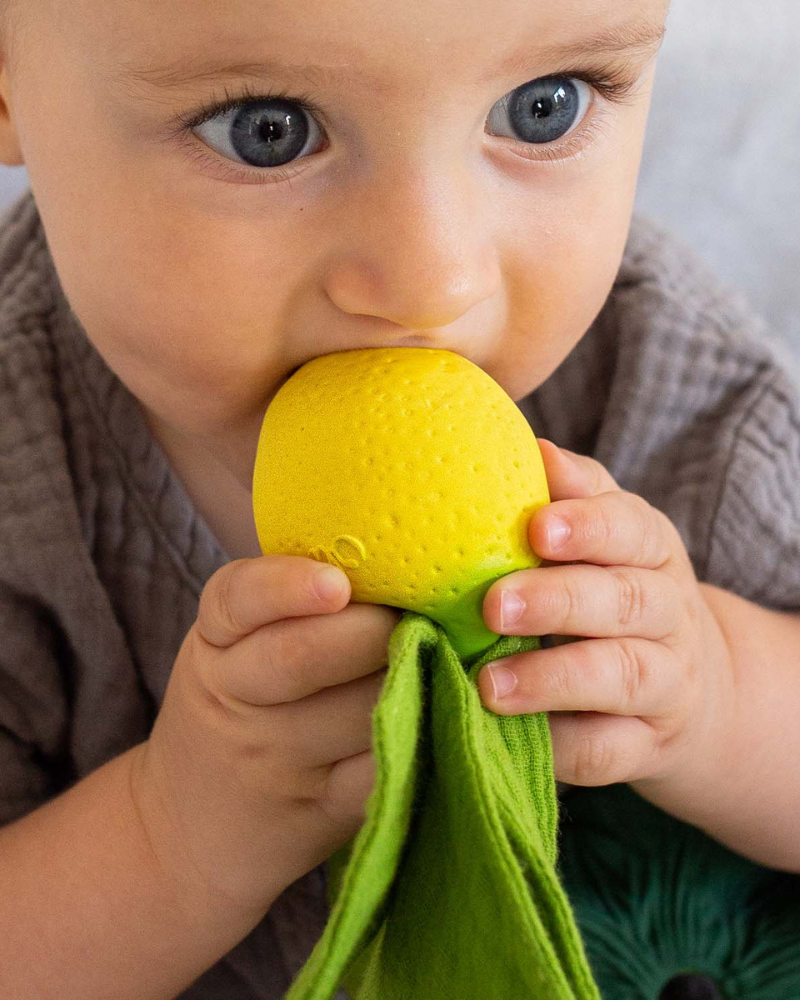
657	898
449	890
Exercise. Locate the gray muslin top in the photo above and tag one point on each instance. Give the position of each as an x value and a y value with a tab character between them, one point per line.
676	388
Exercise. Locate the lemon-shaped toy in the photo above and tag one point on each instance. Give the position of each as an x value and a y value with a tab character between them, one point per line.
412	470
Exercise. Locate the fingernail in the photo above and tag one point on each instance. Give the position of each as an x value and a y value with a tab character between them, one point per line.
557	532
503	680
511	608
328	582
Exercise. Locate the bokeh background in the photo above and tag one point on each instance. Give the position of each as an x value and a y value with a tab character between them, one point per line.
722	157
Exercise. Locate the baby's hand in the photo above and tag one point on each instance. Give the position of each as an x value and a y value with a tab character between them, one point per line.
259	762
652	684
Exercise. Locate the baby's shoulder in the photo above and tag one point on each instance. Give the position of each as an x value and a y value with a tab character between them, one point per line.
27	300
697	372
692	322
35	487
709	427
28	378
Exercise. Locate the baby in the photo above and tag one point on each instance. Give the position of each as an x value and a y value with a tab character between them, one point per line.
221	192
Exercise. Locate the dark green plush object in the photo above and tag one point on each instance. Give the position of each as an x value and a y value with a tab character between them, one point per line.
449	890
667	913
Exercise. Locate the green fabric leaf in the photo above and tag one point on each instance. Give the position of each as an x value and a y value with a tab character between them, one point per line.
449	890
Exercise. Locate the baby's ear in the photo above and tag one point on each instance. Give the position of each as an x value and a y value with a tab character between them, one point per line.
10	150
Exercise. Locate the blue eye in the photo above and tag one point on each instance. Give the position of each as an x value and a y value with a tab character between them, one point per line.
262	133
542	110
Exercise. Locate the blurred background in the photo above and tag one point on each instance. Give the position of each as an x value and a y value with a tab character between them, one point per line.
721	164
722	155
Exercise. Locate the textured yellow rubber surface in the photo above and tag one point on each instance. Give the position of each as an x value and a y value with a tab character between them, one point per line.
412	470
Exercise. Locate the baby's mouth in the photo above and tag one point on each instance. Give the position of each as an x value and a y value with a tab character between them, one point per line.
401	343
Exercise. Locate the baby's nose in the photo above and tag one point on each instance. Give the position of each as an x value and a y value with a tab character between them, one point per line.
416	250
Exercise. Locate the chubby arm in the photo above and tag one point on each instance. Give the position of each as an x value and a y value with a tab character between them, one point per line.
745	792
87	910
686	692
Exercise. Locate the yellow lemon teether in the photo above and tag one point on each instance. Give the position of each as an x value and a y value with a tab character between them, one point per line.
412	470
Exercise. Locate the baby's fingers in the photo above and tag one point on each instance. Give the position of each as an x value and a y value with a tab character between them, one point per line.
592	601
246	594
610	529
591	749
570	475
290	660
626	677
592	520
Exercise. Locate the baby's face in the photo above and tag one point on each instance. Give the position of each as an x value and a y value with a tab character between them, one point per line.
451	175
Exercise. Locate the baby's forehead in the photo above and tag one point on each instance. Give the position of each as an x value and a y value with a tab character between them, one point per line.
143	15
174	38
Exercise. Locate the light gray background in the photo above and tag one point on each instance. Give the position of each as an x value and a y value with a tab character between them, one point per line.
722	156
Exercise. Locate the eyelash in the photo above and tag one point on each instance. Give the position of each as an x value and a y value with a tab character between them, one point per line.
615	88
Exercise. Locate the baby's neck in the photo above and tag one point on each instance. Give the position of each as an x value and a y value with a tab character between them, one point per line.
217	475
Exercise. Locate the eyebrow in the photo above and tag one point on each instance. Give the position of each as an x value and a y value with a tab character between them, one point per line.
622	38
617	39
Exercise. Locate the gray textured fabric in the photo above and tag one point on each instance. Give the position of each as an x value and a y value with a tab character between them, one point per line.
102	561
676	389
